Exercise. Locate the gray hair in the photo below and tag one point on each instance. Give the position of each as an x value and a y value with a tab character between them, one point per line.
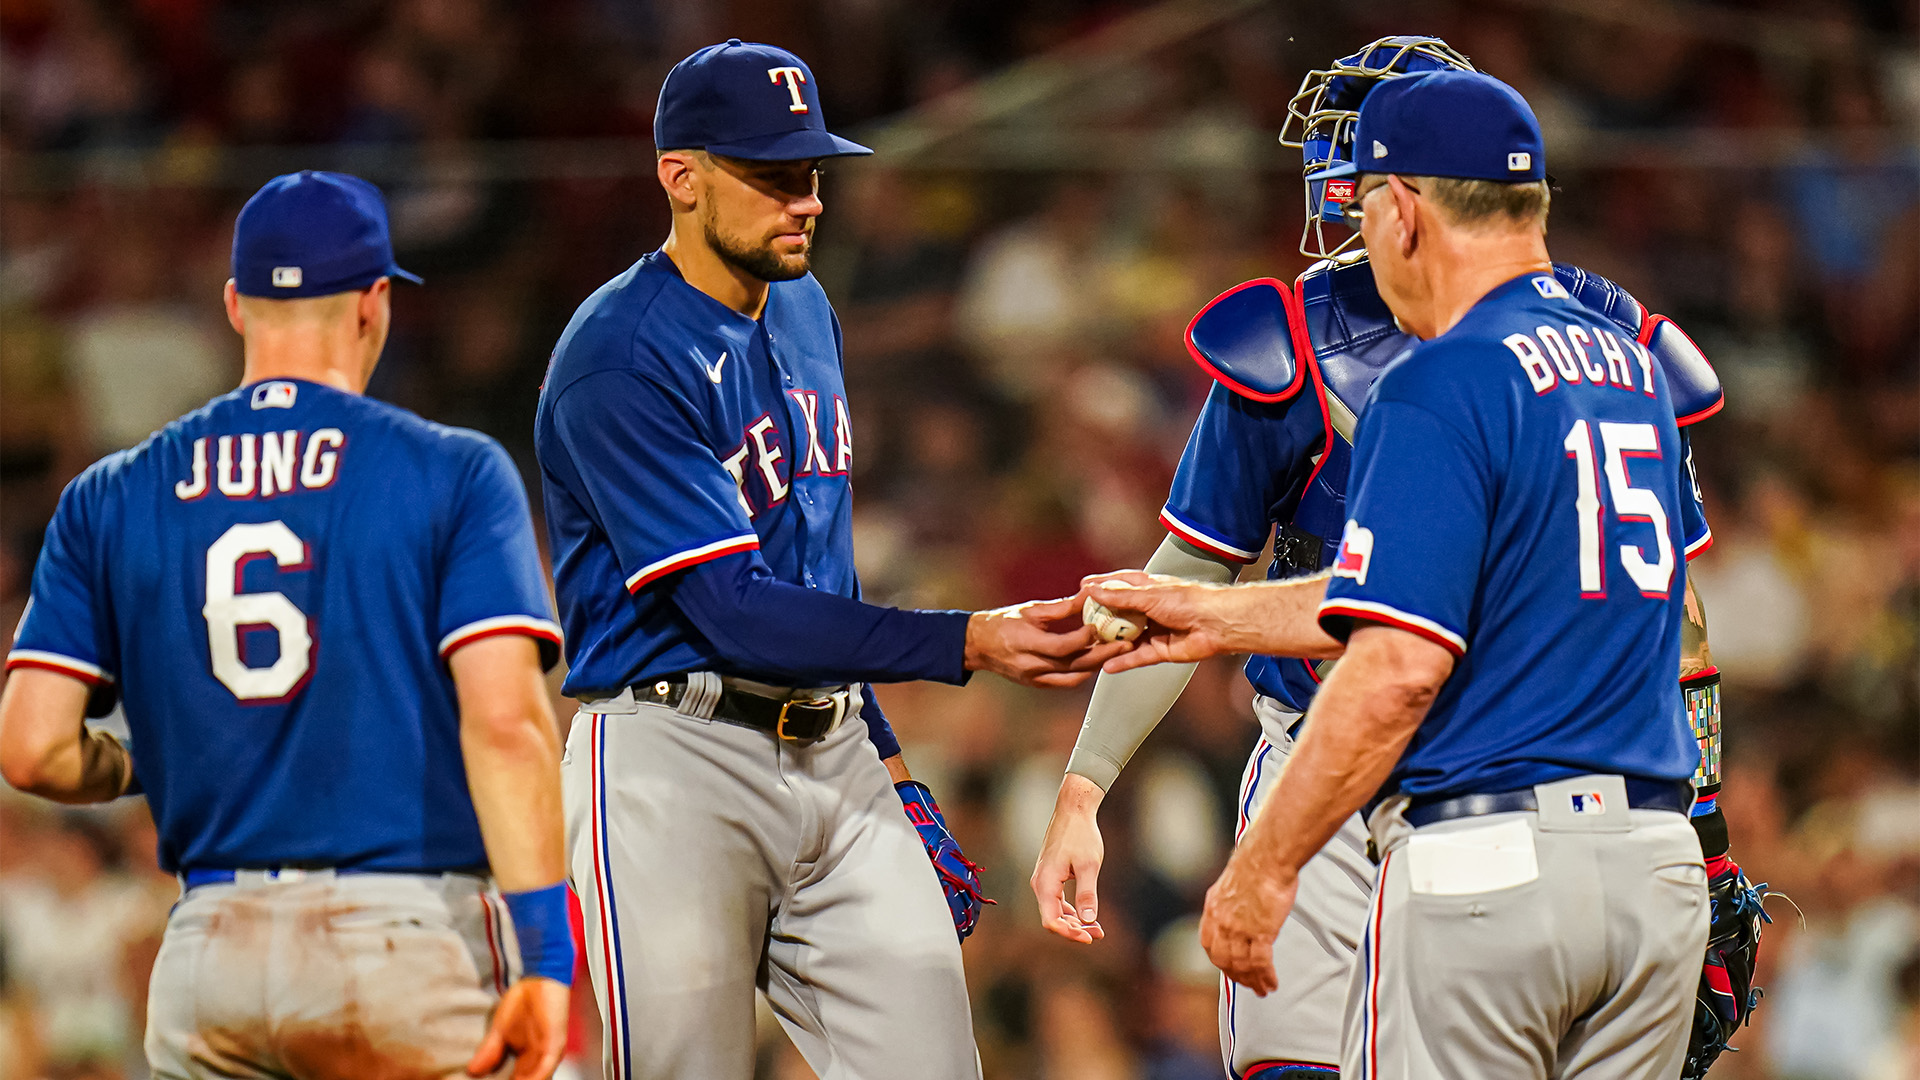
1473	204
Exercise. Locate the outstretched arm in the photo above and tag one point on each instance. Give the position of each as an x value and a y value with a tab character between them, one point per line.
1188	621
1125	709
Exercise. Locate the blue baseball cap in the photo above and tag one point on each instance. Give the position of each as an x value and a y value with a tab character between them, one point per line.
1460	124
312	234
745	100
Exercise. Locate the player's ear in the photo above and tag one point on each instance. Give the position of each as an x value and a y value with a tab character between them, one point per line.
234	318
375	306
679	175
1406	213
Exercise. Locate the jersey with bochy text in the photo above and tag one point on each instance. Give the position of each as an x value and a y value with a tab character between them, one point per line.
673	430
272	585
1277	463
1518	483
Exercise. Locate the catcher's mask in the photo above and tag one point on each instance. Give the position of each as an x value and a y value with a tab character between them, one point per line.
1321	116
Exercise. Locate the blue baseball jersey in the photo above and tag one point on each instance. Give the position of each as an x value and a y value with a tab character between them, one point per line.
1518	486
1250	466
673	430
271	585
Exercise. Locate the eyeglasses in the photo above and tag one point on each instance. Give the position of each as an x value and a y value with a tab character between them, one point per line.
1352	211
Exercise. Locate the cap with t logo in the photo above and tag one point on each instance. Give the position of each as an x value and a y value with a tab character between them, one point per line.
312	234
745	100
1460	124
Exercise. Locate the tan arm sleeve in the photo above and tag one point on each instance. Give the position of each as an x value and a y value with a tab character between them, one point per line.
1127	707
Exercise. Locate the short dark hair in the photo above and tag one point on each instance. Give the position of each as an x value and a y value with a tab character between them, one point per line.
1472	203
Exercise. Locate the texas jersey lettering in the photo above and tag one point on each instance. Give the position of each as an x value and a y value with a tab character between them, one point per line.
763	397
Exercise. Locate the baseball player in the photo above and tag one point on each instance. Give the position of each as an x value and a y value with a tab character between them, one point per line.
1508	588
729	827
326	621
1271	451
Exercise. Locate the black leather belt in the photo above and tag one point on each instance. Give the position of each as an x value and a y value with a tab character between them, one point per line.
794	719
1675	795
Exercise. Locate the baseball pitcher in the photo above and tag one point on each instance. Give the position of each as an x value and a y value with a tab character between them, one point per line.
327	622
730	819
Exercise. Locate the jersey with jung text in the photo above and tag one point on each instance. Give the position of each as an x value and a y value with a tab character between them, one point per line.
1271	452
1518	486
673	430
271	586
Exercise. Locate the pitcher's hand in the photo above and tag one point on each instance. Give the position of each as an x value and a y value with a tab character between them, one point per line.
1038	643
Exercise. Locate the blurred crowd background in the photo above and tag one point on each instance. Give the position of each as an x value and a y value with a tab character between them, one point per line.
1061	184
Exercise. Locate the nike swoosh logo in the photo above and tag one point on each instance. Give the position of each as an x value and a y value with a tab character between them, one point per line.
713	371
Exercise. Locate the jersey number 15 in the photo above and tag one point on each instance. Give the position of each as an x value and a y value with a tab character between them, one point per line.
230	613
1620	441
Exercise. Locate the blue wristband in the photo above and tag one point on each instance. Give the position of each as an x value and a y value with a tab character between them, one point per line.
545	932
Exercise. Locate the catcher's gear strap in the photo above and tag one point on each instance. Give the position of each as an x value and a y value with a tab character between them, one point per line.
1250	339
1691	380
1701	693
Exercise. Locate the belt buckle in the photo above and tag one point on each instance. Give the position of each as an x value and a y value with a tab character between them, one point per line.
780	726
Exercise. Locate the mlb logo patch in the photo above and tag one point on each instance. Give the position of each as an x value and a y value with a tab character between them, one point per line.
275	395
1356	552
286	277
1549	286
1339	190
1519	162
1588	802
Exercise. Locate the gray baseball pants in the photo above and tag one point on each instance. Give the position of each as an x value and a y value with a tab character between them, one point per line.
1556	943
1299	1023
712	859
305	975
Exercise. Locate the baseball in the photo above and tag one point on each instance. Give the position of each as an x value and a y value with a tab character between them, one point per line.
1110	624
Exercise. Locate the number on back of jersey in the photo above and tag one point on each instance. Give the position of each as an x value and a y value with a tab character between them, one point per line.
1635	504
231	613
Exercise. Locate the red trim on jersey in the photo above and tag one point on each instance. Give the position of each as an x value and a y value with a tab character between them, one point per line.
1201	540
1335	607
88	677
744	543
1699	546
1221	377
527	629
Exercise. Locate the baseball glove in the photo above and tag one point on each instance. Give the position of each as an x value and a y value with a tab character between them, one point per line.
1727	995
959	876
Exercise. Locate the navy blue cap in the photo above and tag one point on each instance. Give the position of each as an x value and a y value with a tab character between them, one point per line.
745	100
1460	124
312	234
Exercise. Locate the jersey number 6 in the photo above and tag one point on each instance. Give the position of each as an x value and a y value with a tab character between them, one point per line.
231	613
1630	503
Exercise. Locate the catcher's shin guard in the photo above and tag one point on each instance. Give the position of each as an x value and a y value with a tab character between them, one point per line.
1288	1070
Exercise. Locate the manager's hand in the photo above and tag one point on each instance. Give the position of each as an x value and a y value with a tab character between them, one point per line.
1185	620
1039	643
